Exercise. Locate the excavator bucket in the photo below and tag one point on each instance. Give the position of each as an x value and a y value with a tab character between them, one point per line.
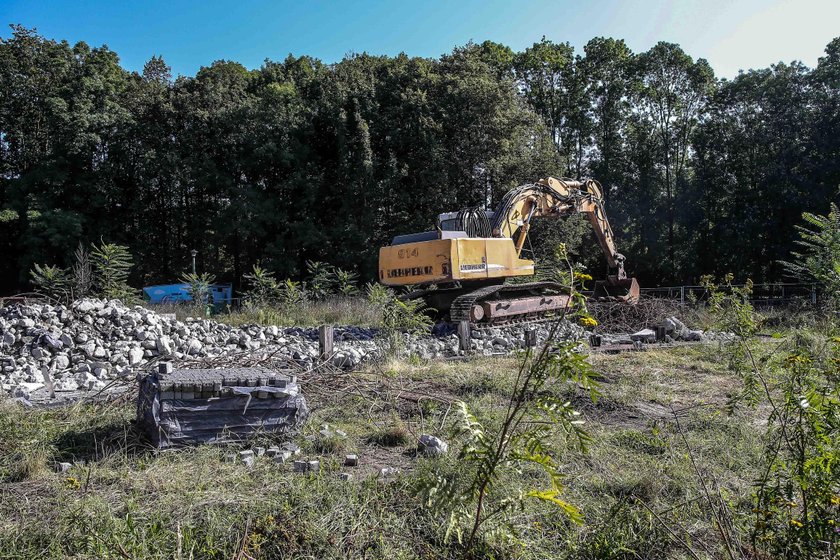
625	290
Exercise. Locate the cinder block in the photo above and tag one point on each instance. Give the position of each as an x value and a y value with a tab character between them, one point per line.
300	466
314	466
351	460
259	451
345	476
282	457
272	452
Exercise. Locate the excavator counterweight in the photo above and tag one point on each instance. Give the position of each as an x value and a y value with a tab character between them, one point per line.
463	264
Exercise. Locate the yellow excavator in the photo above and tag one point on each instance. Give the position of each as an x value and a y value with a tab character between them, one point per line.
461	266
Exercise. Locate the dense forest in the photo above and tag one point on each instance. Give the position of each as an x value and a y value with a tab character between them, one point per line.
301	160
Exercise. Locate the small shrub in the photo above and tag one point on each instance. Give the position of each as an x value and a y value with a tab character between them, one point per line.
112	265
263	288
82	273
199	286
52	281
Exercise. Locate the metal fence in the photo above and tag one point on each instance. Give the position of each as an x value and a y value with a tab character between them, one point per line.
762	294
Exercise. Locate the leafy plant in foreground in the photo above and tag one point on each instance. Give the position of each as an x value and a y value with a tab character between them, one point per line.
473	498
820	257
536	412
797	496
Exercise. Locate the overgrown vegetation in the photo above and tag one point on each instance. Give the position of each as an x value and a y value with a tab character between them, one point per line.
191	502
797	494
102	272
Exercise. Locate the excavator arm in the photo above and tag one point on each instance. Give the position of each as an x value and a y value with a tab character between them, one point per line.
561	197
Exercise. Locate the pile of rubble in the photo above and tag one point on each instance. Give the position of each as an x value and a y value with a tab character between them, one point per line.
92	342
671	330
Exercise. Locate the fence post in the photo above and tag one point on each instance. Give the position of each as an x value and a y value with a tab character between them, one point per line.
682	296
465	336
325	341
814	294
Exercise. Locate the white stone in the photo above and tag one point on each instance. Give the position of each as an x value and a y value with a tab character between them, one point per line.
135	356
432	446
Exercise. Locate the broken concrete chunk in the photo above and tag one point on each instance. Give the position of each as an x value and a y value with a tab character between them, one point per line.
644	335
432	446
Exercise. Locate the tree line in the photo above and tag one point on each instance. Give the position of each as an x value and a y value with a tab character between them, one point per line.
305	161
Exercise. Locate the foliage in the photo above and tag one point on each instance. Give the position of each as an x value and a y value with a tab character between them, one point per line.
326	280
398	315
301	161
82	272
291	293
112	264
321	280
263	288
199	286
820	257
797	496
52	281
474	498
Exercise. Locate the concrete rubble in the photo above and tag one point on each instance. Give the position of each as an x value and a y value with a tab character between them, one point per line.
92	342
432	446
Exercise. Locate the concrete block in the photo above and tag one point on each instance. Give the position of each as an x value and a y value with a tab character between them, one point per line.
272	451
63	467
351	460
292	447
282	457
259	451
300	466
313	466
345	476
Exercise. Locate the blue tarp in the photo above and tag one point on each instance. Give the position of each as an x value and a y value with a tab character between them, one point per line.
176	293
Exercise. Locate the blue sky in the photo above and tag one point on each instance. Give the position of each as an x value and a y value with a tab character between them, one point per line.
731	34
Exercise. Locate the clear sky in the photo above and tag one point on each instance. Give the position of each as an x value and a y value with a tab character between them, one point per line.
730	34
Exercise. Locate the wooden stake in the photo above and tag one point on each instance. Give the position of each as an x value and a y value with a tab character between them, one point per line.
325	341
465	336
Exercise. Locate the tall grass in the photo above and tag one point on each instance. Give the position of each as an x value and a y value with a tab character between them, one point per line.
338	310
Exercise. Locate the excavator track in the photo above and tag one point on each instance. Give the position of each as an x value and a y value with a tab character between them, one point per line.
507	304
